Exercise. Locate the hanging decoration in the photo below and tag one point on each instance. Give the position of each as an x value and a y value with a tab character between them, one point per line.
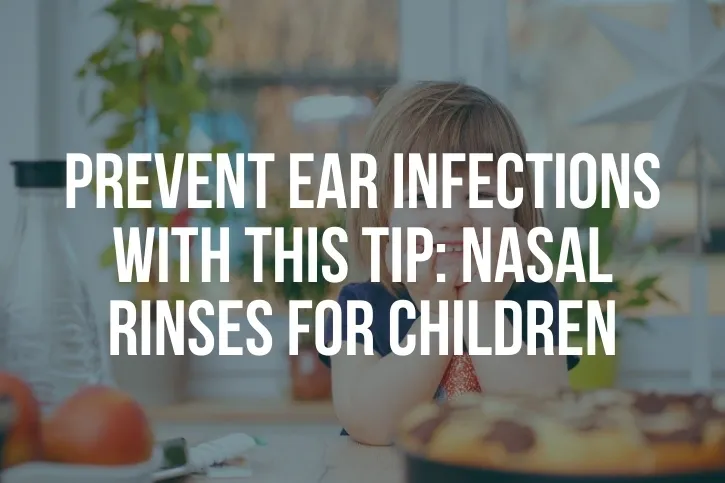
679	86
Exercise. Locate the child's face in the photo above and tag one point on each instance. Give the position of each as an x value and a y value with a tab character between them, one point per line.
447	224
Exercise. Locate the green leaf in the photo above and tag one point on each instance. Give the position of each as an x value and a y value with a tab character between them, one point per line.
647	283
200	41
124	76
197	11
163	97
663	296
604	289
125	101
124	136
195	98
173	64
121	7
216	215
175	99
102	111
108	256
150	16
639	301
164	218
98	56
168	125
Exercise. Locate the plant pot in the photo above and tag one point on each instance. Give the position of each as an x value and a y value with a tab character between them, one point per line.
597	371
311	379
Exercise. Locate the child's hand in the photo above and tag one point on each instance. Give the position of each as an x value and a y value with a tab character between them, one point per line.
426	285
491	291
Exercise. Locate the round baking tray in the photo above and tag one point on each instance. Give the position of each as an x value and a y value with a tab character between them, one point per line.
421	470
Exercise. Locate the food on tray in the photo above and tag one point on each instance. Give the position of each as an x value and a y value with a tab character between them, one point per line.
598	432
98	426
23	439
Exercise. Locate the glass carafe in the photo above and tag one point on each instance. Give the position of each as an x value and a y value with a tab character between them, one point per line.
49	334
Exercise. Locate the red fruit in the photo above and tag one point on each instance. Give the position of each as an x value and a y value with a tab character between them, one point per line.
98	426
24	442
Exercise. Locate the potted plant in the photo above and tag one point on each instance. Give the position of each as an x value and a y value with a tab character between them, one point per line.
632	294
152	87
310	378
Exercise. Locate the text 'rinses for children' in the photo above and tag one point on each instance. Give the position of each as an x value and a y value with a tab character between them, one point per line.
446	327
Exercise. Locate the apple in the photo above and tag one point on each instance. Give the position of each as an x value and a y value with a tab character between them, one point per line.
23	442
100	426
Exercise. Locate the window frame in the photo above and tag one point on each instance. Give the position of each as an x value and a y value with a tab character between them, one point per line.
464	40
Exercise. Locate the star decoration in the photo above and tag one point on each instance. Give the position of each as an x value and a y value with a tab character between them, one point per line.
680	83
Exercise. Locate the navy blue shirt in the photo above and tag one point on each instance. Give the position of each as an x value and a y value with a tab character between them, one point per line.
381	300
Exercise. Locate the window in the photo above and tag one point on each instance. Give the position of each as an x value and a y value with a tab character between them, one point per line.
560	64
271	54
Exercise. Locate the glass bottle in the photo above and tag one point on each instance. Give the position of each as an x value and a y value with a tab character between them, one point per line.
49	334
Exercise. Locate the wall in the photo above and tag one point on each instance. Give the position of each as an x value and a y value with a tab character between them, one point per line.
450	40
45	42
19	103
79	31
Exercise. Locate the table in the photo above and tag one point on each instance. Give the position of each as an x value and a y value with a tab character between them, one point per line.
272	411
302	458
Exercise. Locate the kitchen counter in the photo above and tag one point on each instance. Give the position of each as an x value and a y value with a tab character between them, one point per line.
256	411
315	459
303	442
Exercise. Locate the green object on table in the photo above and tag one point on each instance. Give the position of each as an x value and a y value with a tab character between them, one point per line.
259	441
597	371
175	453
8	415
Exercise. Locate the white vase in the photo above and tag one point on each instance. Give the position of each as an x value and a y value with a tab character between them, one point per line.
230	377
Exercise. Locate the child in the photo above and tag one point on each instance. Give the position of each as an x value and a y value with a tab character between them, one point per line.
372	392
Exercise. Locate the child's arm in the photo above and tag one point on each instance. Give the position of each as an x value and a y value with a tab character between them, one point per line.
518	373
371	394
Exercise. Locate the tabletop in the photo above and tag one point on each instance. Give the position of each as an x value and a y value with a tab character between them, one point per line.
303	458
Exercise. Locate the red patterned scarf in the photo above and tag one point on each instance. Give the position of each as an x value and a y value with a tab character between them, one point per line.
460	378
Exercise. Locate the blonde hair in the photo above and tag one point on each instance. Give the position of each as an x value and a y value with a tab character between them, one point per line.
434	117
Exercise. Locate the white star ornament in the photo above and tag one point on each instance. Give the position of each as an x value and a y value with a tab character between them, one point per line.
680	83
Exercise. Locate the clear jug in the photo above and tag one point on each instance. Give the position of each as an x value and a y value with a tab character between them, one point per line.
49	334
